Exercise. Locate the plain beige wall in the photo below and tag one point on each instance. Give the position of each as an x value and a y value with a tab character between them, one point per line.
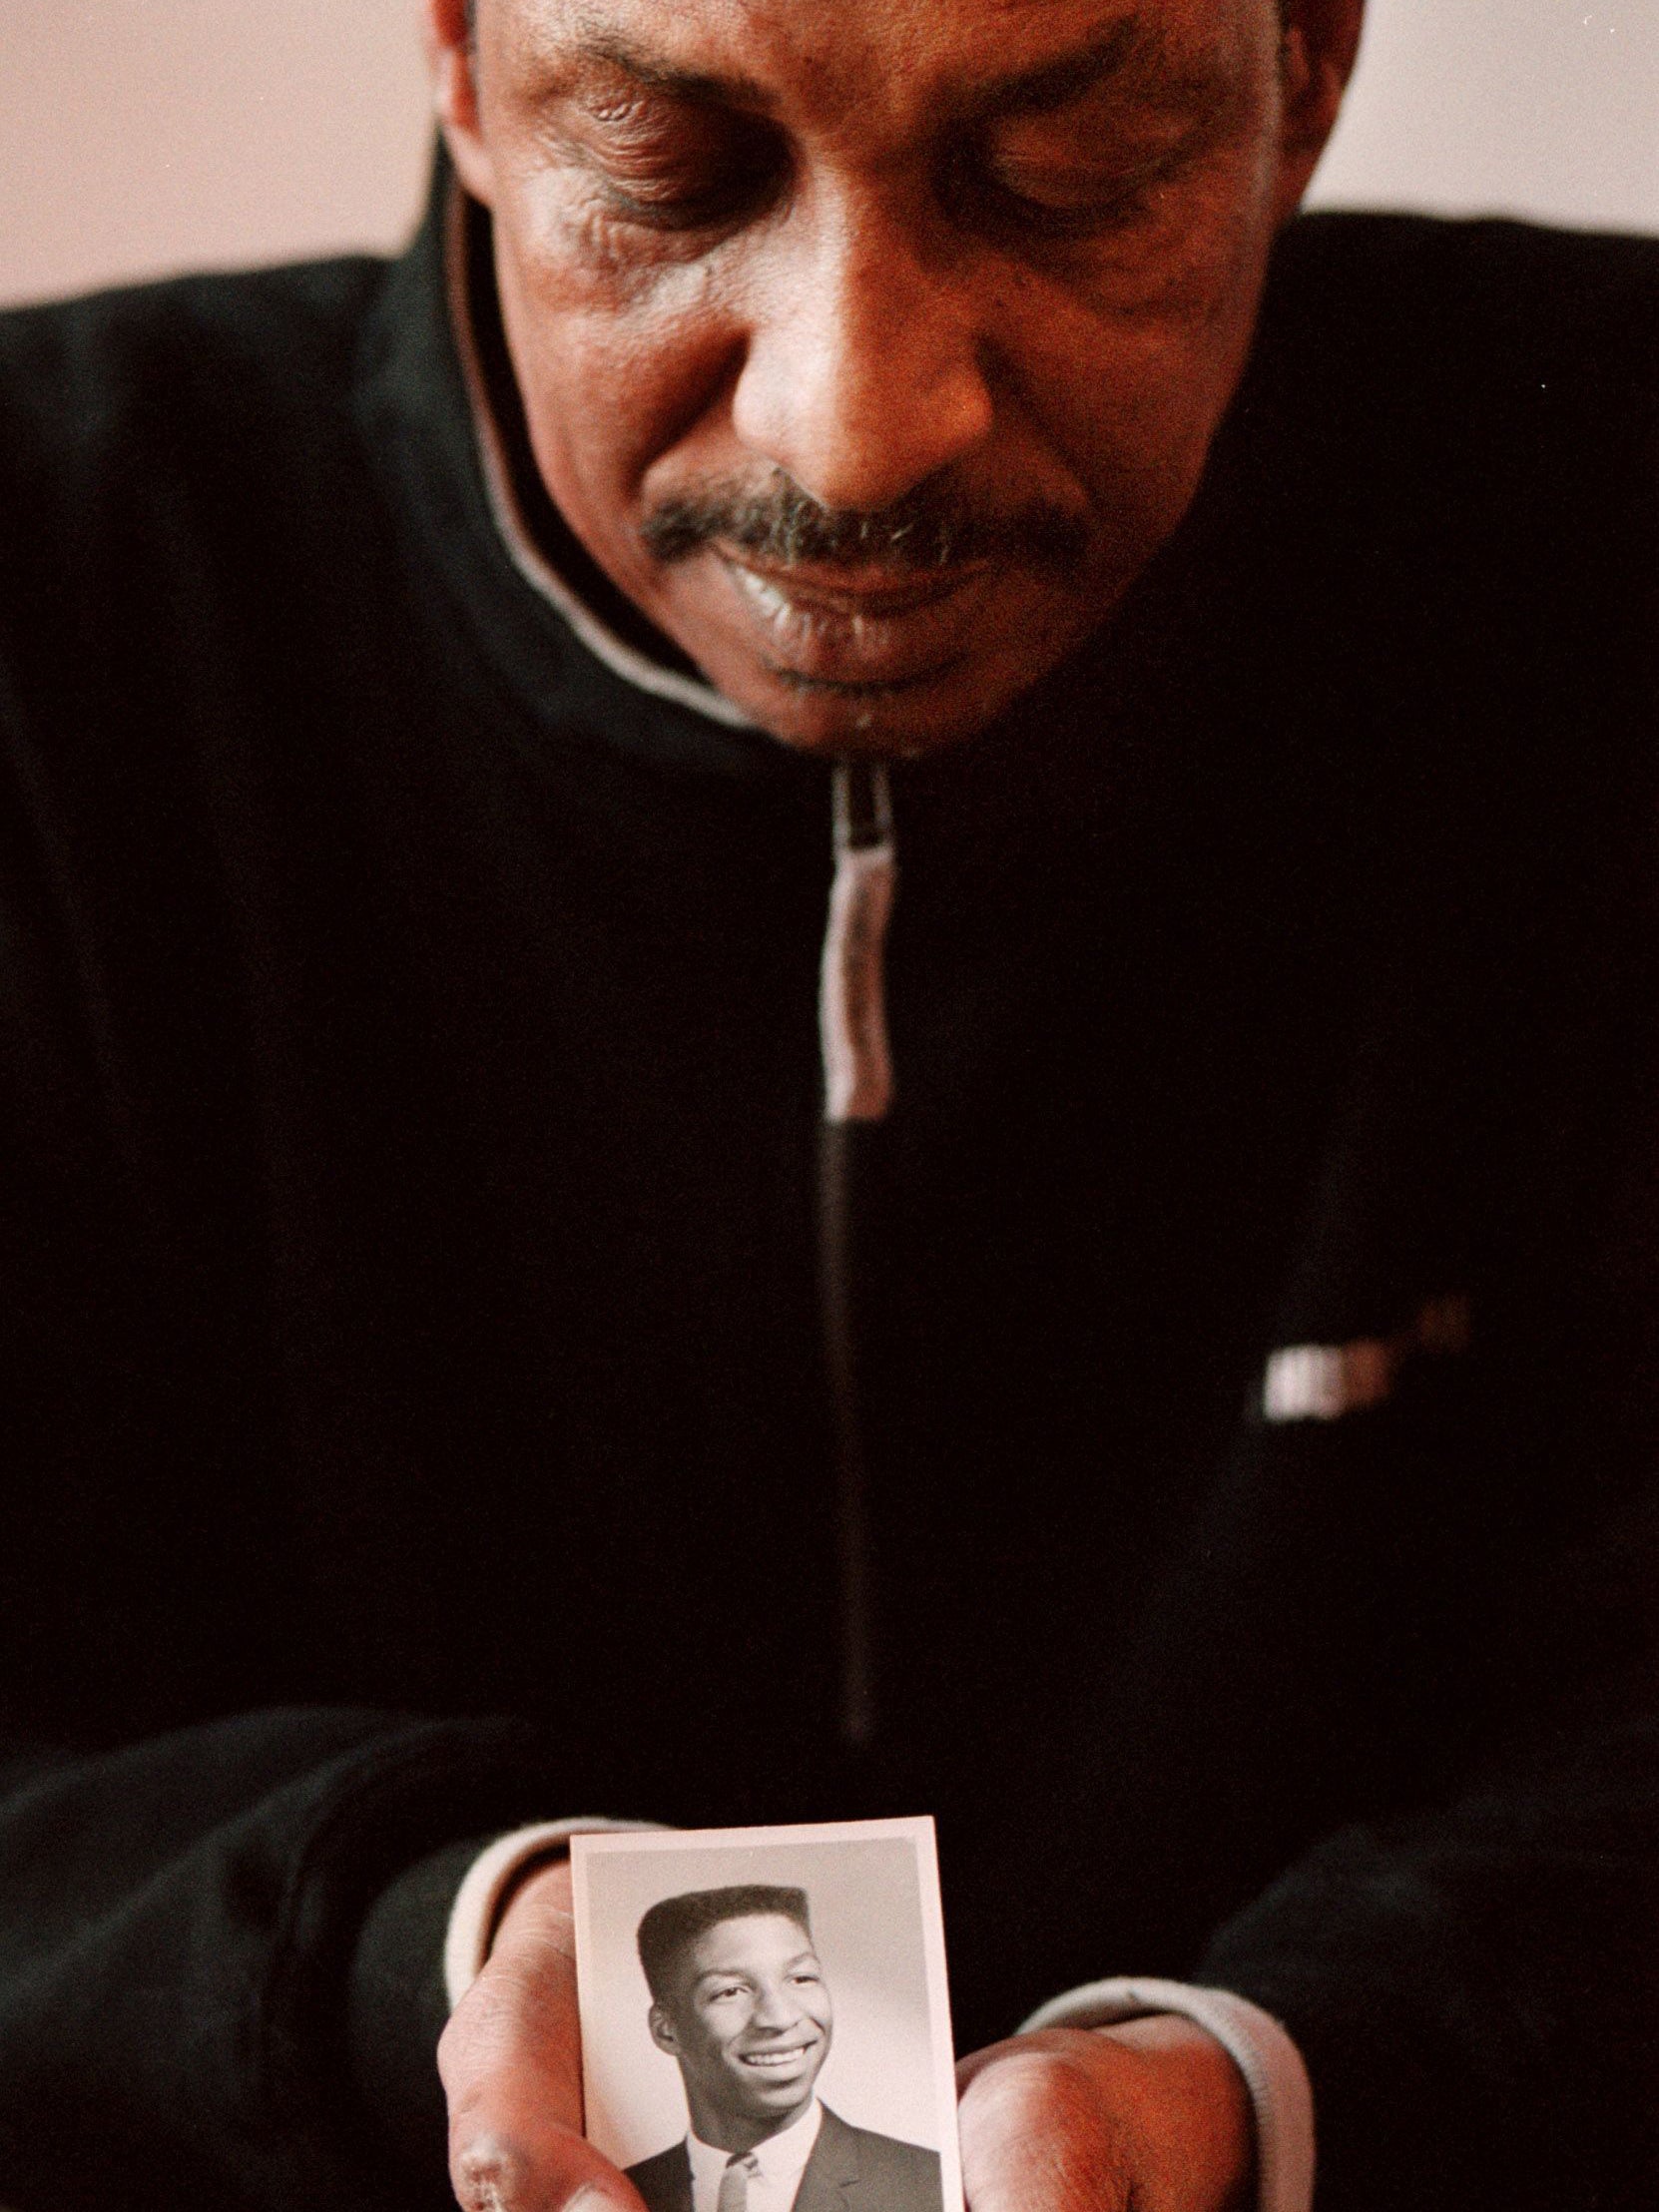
139	137
1541	107
143	135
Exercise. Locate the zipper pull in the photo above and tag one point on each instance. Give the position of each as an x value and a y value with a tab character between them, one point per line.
853	1010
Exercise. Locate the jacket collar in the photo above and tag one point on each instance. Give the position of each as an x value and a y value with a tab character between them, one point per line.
444	431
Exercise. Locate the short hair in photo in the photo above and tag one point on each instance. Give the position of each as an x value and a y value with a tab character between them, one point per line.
673	1924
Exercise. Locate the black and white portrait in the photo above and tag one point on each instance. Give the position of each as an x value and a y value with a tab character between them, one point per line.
764	2025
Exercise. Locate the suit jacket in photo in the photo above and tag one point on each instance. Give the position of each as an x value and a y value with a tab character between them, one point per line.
851	2170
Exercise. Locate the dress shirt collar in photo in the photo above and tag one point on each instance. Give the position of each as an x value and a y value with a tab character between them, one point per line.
779	2163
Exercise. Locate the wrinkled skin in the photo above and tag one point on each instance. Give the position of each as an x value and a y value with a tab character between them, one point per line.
872	351
994	262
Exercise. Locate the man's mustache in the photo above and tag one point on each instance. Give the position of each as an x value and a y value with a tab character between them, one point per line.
935	526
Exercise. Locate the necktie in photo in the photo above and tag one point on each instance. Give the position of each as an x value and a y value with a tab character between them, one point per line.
734	2182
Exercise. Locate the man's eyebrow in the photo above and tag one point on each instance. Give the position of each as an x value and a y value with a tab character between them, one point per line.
741	1974
1131	50
702	88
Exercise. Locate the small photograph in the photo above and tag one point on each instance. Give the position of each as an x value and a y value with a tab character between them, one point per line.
766	2021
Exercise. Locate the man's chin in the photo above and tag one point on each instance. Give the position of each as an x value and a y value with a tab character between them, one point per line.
888	720
893	683
775	2114
873	722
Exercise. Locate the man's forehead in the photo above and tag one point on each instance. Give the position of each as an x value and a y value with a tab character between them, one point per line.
745	1934
766	54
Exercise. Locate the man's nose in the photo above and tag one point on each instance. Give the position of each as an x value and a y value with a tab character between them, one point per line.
862	375
776	2006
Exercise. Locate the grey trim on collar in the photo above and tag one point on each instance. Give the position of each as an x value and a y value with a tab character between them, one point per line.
623	660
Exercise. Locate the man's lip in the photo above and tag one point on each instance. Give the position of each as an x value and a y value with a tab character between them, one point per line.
872	588
858	630
767	2056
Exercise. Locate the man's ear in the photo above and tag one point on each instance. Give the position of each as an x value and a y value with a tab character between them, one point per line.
451	40
1320	41
662	2032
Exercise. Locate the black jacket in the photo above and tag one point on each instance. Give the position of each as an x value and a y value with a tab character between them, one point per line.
409	1305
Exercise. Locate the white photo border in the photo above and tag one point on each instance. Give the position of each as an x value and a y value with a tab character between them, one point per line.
918	1830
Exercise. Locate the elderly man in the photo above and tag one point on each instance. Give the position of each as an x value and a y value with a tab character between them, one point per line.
827	989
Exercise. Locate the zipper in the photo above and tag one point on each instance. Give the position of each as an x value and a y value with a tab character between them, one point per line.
857	1089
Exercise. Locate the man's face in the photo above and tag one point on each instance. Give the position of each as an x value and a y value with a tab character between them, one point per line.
749	2019
873	348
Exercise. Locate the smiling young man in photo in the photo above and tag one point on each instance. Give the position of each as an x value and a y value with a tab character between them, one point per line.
740	2001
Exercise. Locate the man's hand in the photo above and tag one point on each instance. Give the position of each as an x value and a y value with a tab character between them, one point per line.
1152	2116
511	2063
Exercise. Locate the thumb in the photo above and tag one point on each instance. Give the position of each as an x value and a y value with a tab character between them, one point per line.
510	2059
1036	2134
